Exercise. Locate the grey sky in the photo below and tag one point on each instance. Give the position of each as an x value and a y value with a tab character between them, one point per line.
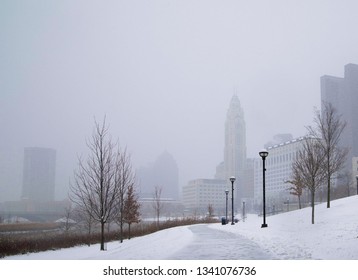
164	73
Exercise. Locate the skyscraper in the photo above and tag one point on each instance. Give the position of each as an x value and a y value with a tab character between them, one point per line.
39	174
200	193
235	148
342	93
164	173
235	140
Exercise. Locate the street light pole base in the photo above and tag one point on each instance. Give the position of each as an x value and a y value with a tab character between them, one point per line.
264	225
232	223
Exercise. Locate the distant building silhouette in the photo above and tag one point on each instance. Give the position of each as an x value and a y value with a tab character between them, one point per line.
37	201
164	173
342	93
39	174
279	139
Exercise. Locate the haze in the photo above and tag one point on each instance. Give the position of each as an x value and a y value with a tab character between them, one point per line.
163	73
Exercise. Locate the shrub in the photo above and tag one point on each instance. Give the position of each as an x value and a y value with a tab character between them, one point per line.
30	242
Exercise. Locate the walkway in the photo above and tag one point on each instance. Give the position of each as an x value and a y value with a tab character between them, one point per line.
228	246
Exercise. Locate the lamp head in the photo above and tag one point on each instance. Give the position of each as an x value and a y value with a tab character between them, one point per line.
232	179
263	154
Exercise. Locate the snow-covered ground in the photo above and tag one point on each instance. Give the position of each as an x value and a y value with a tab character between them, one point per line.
288	236
334	236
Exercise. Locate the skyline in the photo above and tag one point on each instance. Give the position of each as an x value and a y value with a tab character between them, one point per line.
163	73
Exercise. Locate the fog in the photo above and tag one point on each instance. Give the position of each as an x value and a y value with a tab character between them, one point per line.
163	73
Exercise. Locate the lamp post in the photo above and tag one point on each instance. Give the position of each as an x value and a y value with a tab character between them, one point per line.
263	154
243	211
226	193
288	204
232	180
357	183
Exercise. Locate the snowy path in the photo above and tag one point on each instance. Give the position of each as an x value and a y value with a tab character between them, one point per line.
213	244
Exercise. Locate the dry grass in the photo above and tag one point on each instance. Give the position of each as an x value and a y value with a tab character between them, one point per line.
43	237
17	227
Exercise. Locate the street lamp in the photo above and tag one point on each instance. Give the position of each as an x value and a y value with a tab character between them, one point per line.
357	183
226	193
263	154
232	179
243	211
288	204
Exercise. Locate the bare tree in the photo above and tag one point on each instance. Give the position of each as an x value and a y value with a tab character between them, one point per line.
94	188
297	186
210	210
131	209
68	221
124	180
346	180
309	165
86	221
157	202
329	128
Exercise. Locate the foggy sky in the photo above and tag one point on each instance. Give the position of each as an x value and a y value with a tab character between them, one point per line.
163	72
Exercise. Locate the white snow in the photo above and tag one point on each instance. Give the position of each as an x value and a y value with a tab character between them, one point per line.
158	245
65	220
334	236
288	236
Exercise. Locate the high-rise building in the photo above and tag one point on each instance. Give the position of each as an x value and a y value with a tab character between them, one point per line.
162	173
235	140
342	93
235	151
39	174
200	193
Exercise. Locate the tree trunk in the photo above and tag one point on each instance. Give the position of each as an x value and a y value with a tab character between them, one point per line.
129	230
102	236
121	232
312	206
299	202
89	235
329	191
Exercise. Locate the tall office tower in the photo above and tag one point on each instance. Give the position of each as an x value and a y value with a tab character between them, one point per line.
164	173
342	93
235	146
235	140
39	174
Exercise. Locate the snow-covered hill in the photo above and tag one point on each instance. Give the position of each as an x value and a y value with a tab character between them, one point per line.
292	236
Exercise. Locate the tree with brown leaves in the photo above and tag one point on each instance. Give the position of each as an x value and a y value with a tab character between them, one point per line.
131	209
